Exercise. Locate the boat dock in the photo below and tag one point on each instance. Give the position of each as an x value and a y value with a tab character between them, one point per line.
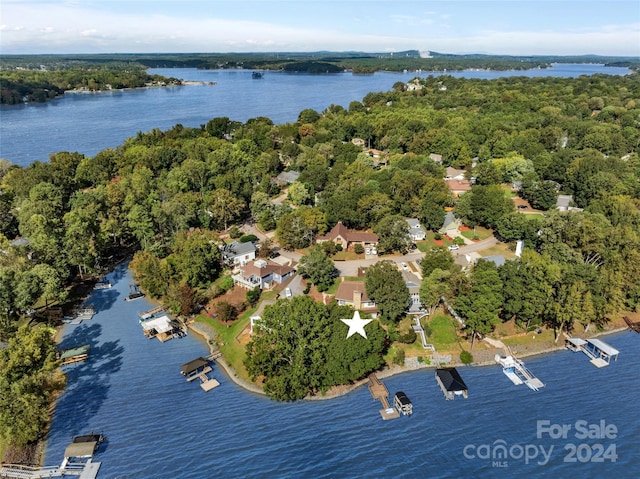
598	352
198	369
379	391
81	314
74	355
633	326
151	312
451	383
78	462
517	372
163	328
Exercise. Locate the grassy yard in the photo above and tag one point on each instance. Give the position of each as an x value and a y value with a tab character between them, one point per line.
228	340
346	256
430	242
478	232
499	249
441	331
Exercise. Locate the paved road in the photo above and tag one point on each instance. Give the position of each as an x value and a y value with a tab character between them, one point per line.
350	268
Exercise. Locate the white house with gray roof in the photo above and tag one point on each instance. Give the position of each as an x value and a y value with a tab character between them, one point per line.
416	232
238	254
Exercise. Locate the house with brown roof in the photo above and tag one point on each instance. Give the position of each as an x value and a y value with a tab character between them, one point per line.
353	293
458	187
341	235
262	273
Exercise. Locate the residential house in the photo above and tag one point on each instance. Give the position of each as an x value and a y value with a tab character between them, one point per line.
286	178
415	230
496	259
238	254
413	284
564	202
454	174
458	187
353	293
436	158
262	273
450	225
347	238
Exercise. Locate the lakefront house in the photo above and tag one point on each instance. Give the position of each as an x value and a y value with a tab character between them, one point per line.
262	273
353	293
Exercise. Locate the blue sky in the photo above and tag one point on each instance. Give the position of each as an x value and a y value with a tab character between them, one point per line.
513	27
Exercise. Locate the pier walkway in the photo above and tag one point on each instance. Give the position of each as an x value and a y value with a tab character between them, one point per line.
82	470
379	391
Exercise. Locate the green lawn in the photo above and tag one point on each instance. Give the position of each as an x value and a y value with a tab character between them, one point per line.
233	351
443	332
346	256
430	243
477	233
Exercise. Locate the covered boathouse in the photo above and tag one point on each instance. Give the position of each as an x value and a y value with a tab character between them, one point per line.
451	383
198	369
598	352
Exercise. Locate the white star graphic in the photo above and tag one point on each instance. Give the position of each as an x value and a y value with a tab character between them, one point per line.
356	325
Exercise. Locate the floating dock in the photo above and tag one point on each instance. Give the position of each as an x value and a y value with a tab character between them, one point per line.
198	369
598	352
79	315
379	391
517	372
151	312
78	462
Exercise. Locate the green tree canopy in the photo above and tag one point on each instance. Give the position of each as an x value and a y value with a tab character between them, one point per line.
318	267
384	285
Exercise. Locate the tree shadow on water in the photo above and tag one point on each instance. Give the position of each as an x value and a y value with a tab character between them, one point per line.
104	299
88	383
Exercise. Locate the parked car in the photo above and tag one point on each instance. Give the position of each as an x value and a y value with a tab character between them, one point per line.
404	266
453	247
367	251
287	292
522	207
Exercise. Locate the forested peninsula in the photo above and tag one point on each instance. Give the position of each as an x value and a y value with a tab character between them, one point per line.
43	82
38	78
171	199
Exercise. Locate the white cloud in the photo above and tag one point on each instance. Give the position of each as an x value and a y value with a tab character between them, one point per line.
75	28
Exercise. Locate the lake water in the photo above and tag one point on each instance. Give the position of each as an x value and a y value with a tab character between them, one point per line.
89	123
159	426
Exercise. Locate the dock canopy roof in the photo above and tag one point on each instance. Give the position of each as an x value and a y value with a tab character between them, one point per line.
451	379
69	353
161	324
194	365
604	347
81	449
577	341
